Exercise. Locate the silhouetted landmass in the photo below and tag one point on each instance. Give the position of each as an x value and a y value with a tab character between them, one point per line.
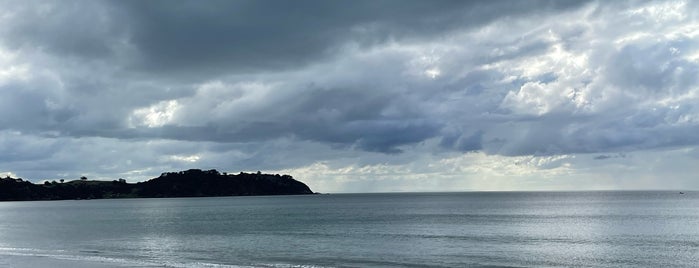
190	183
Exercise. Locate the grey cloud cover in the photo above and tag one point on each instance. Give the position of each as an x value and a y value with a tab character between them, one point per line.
337	85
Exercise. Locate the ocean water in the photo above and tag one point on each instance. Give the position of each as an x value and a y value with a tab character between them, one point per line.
475	229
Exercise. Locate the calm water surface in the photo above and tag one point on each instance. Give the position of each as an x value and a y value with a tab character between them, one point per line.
480	229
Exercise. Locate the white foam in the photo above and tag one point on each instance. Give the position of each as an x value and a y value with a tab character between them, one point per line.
124	262
280	265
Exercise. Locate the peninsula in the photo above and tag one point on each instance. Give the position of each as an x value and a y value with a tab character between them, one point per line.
189	183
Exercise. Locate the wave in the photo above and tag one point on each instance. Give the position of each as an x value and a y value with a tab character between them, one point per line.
126	262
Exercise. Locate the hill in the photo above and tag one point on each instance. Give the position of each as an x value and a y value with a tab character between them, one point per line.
189	183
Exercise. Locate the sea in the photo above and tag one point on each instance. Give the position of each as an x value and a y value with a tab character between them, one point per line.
469	229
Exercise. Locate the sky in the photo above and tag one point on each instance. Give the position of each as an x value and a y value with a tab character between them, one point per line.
355	96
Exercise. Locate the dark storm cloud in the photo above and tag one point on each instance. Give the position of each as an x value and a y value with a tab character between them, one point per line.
87	29
353	117
263	35
220	36
340	117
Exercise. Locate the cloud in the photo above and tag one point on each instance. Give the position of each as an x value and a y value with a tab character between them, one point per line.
607	156
269	85
86	29
246	35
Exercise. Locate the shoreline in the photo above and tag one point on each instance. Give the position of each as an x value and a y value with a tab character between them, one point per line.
31	261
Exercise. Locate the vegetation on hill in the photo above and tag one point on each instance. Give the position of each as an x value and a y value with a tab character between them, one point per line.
189	183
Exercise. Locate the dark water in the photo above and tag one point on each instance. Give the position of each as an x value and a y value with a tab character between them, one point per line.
495	229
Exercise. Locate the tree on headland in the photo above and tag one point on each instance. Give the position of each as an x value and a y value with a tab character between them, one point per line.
62	180
189	183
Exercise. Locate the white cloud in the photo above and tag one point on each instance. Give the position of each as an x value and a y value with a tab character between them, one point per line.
472	171
156	115
660	12
185	158
10	69
7	174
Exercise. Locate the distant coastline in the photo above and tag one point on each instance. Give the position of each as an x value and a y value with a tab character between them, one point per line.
189	183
